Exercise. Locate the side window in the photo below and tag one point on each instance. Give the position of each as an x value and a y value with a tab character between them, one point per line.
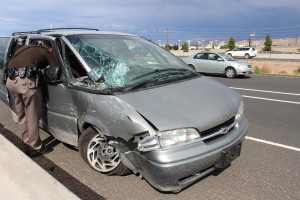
3	45
200	56
212	56
73	64
16	44
48	44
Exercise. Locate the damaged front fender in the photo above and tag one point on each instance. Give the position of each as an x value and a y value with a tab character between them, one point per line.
113	117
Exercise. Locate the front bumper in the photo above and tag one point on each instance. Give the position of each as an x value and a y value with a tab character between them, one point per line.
245	72
175	169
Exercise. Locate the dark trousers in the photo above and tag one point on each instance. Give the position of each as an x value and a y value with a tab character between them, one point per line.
28	102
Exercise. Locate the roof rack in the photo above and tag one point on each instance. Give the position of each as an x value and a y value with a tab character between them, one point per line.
24	33
55	29
51	30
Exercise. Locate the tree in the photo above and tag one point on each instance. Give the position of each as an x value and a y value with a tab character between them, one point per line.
175	47
185	47
225	46
168	47
231	43
268	43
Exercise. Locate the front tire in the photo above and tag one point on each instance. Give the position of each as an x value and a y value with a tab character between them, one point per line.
99	153
230	72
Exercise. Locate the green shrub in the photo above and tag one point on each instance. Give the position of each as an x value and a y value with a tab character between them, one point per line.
257	70
168	47
225	46
231	43
268	43
185	47
297	71
175	47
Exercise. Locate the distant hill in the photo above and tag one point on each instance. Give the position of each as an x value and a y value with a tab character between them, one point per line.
275	42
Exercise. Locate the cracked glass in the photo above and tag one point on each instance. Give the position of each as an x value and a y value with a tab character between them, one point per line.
124	60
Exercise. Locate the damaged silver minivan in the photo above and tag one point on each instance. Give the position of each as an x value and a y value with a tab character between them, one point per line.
130	106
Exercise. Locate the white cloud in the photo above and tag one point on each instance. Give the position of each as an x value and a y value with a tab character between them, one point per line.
7	20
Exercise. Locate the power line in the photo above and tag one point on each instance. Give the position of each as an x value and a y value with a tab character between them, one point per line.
190	33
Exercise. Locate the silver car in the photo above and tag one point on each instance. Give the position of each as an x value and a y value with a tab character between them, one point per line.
130	106
218	63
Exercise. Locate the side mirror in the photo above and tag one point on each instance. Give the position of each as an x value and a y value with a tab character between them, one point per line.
52	74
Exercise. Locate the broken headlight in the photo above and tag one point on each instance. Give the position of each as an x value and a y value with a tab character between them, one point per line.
168	138
240	111
172	137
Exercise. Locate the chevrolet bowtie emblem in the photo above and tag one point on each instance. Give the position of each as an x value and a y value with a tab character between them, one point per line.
224	130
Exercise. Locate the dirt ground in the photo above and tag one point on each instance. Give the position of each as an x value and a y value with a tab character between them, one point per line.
276	67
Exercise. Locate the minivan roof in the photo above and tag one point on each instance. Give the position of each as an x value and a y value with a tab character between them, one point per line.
69	31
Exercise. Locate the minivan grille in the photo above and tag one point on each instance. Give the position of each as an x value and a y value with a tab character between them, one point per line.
213	131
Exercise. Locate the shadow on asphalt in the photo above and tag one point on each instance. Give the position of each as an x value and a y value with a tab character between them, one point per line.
73	184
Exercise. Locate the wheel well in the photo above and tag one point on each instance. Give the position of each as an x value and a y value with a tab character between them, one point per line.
85	126
228	67
192	67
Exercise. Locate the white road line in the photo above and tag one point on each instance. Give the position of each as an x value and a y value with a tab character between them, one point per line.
277	100
294	94
273	143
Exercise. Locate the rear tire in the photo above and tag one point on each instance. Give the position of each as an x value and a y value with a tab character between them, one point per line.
230	72
100	155
247	56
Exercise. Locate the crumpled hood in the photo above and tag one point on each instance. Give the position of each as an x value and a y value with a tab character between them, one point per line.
201	103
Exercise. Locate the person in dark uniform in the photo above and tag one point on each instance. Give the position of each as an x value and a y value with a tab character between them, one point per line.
23	85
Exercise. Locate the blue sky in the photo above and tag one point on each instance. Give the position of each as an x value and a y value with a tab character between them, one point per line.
186	19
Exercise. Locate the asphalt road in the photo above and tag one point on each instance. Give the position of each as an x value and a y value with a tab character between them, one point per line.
267	169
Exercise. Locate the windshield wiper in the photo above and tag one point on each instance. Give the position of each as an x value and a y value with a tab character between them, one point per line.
162	70
141	83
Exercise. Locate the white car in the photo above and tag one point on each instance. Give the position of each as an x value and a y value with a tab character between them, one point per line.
218	63
243	52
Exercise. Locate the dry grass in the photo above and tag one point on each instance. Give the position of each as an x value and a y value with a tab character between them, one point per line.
276	67
265	69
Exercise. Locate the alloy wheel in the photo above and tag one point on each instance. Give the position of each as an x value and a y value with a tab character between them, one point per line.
101	155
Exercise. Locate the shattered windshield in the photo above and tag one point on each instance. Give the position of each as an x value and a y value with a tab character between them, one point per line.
126	60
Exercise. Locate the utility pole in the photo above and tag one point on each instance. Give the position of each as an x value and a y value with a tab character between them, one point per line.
297	34
167	36
255	39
